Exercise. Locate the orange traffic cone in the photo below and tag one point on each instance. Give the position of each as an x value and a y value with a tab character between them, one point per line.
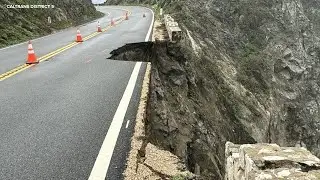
79	38
126	18
32	59
99	28
112	22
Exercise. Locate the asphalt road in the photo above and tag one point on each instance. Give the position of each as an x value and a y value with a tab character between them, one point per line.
54	116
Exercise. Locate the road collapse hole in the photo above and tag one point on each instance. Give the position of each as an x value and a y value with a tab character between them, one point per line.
141	51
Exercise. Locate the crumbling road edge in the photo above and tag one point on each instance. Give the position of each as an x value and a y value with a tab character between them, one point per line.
139	129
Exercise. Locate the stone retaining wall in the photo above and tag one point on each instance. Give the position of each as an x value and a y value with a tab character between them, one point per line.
172	27
270	161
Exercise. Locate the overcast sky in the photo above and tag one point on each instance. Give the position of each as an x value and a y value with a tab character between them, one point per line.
97	1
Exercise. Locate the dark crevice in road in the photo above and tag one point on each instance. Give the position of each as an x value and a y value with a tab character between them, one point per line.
133	52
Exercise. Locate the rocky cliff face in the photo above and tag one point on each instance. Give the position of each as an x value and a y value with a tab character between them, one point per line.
246	72
22	24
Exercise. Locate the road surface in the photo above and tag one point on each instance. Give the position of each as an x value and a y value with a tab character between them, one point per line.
56	115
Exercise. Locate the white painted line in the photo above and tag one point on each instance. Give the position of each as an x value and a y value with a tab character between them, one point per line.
150	28
127	124
100	168
101	165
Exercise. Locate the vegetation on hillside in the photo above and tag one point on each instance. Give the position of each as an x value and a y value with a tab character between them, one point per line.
19	25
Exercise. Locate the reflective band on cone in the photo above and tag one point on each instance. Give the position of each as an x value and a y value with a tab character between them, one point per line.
99	28
112	22
79	38
31	59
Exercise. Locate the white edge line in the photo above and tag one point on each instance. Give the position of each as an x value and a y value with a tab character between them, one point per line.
151	26
101	165
127	124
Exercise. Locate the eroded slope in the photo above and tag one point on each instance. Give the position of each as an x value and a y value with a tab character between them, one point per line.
246	71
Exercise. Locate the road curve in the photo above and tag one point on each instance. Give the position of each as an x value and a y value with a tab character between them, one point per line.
56	115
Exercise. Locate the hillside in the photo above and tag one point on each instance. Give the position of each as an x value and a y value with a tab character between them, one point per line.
19	25
245	72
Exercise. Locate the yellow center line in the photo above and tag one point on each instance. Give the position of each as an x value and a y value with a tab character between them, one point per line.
57	52
71	44
90	36
13	70
16	71
23	67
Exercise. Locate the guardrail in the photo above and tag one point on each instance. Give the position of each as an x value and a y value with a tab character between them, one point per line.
173	28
